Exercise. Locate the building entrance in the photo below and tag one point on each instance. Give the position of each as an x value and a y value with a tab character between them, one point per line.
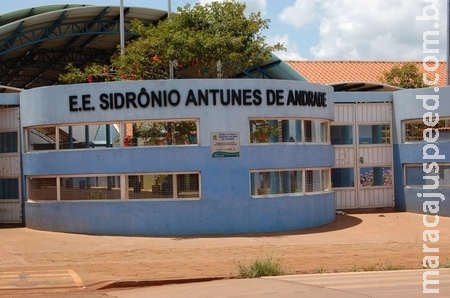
362	175
10	195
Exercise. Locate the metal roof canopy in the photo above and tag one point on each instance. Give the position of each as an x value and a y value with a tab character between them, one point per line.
37	43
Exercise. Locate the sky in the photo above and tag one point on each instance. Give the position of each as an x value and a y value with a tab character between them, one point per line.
376	30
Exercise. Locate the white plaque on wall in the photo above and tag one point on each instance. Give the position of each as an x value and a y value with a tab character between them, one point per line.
225	144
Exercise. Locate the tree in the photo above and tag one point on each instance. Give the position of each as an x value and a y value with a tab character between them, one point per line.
406	76
201	41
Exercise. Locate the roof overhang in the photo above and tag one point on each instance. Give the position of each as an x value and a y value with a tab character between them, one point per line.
363	86
37	43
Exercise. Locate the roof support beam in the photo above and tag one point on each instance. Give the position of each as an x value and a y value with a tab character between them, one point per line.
16	32
88	27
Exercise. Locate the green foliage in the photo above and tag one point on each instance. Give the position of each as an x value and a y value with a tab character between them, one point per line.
201	41
267	266
98	196
406	76
92	73
262	131
163	133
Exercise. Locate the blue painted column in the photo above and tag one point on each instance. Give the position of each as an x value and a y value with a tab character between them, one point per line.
346	134
86	135
252	184
377	139
110	180
250	130
298	130
347	139
286	175
377	134
108	135
274	176
299	181
70	137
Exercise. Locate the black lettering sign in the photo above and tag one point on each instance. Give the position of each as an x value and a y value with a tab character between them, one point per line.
85	103
73	103
164	98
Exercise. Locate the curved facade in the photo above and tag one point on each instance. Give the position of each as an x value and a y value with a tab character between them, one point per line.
256	157
413	154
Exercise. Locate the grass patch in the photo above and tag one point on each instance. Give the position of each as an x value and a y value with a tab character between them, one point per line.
390	266
381	267
372	267
267	266
444	264
321	269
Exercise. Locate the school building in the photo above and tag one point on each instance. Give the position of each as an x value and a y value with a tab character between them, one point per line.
279	148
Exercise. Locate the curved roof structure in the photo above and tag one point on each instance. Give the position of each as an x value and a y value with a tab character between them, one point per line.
37	43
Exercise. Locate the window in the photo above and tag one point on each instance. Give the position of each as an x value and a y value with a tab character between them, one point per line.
8	142
90	188
374	134
342	177
317	180
264	131
102	135
42	189
415	175
9	188
276	182
341	135
296	181
103	187
41	138
161	133
413	130
316	131
73	137
289	131
375	176
157	186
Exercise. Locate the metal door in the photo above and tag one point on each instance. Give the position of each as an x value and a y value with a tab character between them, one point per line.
10	194
365	156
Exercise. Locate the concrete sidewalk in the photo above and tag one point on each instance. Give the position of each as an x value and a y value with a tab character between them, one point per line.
31	259
382	284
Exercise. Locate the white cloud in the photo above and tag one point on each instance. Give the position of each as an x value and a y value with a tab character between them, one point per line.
301	13
252	5
256	6
375	30
292	50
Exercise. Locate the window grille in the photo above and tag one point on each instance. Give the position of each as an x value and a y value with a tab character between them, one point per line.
297	181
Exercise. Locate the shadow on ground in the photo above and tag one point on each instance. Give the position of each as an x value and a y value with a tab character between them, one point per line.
341	222
11	225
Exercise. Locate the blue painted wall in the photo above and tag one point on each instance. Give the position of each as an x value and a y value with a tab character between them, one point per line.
407	107
225	206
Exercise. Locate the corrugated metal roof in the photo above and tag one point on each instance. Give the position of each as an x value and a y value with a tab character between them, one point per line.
16	15
37	43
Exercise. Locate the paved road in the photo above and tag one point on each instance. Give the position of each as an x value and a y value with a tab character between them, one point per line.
382	284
